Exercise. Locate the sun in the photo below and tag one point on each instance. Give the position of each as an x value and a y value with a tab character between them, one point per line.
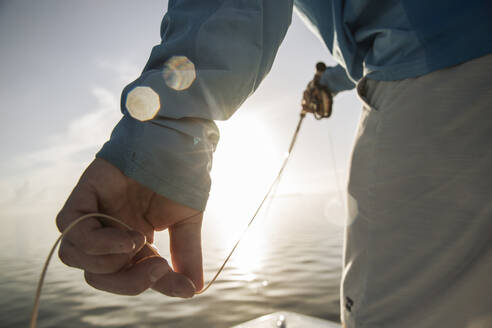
245	164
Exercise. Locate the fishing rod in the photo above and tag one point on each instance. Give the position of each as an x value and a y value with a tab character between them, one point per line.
317	99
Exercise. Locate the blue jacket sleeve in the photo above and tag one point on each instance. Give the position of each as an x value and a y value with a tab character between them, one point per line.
213	55
336	79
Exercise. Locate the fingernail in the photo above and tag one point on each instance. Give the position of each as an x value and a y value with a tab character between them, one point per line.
189	289
182	286
157	272
176	285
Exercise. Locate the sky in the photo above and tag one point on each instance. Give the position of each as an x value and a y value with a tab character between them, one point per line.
64	64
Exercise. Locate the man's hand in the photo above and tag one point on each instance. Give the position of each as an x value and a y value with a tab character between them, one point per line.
117	260
317	98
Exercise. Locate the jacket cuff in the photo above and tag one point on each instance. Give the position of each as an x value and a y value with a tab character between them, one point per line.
169	162
336	80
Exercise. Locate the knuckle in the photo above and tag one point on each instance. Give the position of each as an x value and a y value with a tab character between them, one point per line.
59	221
64	254
90	279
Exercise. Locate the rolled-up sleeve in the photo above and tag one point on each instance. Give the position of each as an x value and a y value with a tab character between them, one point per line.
213	55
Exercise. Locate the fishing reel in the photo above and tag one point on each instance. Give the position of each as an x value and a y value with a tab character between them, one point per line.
317	98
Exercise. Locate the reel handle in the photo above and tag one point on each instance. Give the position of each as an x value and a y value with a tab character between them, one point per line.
320	69
320	100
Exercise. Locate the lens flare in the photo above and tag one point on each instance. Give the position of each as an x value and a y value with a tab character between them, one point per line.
179	73
143	103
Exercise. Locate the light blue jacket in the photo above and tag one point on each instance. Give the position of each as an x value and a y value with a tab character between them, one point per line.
232	45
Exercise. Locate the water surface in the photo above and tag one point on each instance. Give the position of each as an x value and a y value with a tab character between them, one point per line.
290	261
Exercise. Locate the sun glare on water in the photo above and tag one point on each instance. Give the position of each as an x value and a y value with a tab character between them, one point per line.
245	164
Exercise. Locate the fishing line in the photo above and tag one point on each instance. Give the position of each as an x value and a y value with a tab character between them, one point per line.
272	187
35	309
319	103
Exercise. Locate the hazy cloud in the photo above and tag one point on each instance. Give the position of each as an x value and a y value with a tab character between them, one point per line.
44	177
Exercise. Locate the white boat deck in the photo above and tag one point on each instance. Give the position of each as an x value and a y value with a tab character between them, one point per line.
288	320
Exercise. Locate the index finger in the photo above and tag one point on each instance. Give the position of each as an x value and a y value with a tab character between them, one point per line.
104	240
89	235
81	201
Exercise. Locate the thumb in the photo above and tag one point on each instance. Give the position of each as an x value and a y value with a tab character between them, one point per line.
186	249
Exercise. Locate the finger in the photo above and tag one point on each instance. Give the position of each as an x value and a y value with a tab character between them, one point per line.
72	256
93	239
186	249
89	235
175	285
81	201
149	250
151	272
